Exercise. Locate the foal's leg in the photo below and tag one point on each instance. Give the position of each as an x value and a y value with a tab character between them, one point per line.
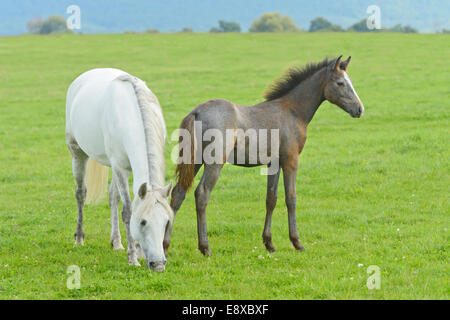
121	179
289	176
79	162
177	198
271	201
114	199
202	193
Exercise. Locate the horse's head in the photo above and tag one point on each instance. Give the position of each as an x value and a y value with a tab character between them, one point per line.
151	215
339	89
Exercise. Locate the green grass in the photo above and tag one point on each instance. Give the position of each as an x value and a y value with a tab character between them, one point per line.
371	191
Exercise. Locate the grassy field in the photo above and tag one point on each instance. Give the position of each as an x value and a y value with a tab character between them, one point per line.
371	191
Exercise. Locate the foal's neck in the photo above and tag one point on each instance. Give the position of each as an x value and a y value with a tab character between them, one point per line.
306	98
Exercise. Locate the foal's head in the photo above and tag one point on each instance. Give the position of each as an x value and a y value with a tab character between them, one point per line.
151	215
339	88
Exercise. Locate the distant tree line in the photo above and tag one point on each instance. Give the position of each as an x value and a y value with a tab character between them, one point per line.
273	22
53	24
267	22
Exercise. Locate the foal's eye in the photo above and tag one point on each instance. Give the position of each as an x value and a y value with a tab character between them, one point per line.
340	83
143	222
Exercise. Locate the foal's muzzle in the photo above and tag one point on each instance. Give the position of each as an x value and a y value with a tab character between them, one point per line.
357	112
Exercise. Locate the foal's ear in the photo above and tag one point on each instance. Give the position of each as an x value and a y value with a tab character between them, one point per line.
344	64
165	191
337	63
142	190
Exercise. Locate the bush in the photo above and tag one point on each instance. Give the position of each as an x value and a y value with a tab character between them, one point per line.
53	24
274	22
323	25
360	26
214	30
405	29
226	26
187	30
152	30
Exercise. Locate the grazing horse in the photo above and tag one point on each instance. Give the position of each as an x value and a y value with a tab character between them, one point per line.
115	121
290	104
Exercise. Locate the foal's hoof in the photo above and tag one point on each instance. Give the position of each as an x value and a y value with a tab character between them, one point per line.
297	245
205	251
269	246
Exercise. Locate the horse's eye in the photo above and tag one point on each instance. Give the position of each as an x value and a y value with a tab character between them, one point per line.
340	83
143	222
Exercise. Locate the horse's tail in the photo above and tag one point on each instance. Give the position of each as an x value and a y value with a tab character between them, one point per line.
96	181
185	171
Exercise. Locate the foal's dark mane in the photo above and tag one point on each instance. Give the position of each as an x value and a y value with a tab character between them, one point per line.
292	77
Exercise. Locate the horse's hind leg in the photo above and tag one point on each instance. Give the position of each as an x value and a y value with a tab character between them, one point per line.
79	162
177	198
271	201
114	199
202	193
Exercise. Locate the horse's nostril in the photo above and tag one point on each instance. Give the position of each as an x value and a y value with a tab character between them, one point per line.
157	265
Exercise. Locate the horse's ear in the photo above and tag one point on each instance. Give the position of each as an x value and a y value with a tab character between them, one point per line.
344	64
165	191
142	190
337	63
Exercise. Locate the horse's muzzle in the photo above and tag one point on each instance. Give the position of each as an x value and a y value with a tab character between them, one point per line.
157	266
357	112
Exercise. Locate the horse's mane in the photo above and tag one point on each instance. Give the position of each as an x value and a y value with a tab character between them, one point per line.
293	77
154	129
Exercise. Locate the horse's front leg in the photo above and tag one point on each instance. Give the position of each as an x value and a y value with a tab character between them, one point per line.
289	176
114	200
271	201
202	193
121	179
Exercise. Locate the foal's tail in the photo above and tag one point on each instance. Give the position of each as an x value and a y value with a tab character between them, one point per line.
185	171
96	181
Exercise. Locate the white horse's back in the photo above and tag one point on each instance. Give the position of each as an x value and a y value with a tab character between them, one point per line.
100	112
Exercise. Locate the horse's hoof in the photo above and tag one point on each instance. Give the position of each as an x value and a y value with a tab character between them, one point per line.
298	246
206	252
134	263
269	246
78	244
117	246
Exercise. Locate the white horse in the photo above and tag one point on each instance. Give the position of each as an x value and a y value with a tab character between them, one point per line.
114	120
